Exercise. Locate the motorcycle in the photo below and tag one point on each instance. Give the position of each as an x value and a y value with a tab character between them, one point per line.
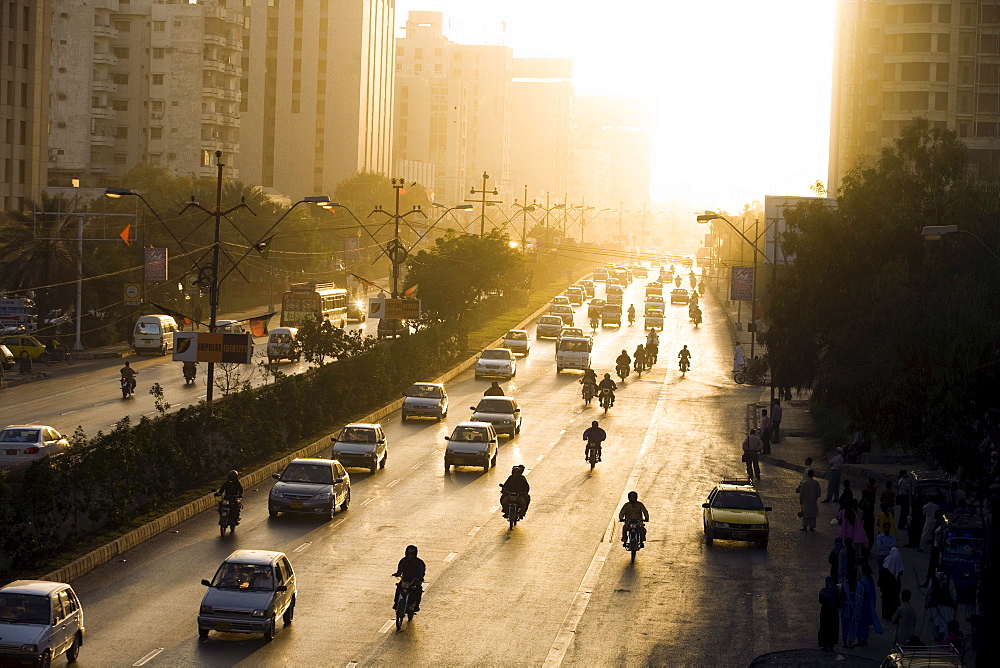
652	350
58	355
229	513
404	600
633	542
640	366
190	372
696	317
622	371
631	318
513	507
606	395
588	392
593	455
685	365
751	373
127	388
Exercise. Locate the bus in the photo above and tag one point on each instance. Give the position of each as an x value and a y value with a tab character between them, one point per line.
316	300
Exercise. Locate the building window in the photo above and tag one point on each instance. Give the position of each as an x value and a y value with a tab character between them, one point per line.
400	51
159	26
121	132
119	78
206	158
941	102
157	79
919	42
942	72
120	158
917	13
916	72
965	103
156	133
120	52
418	53
119	105
943	43
986	103
944	13
156	106
913	101
122	26
889	72
158	52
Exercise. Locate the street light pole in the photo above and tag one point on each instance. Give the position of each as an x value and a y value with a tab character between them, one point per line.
482	201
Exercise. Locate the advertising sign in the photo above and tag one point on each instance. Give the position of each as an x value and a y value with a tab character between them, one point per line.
402	309
213	347
741	284
376	307
156	264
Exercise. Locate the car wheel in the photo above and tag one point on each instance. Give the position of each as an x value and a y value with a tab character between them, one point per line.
708	536
447	464
74	650
271	512
347	500
486	466
558	369
385	458
269	631
402	417
46	659
517	429
373	469
763	543
202	633
493	462
289	613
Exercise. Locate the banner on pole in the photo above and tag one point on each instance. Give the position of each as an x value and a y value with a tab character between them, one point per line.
156	264
741	284
213	347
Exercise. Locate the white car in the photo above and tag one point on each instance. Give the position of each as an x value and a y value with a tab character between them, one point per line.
21	443
517	341
564	311
549	326
572	331
654	318
471	444
497	362
654	302
39	620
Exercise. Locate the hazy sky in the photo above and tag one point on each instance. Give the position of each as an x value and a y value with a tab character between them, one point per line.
742	89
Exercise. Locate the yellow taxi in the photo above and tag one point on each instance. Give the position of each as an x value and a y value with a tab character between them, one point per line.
735	511
17	343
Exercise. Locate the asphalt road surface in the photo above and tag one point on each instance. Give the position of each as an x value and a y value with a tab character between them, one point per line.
559	588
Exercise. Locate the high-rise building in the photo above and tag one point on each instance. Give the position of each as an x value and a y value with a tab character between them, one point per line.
317	83
453	107
24	64
898	59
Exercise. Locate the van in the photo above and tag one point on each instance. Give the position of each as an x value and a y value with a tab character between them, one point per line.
154	334
573	352
281	345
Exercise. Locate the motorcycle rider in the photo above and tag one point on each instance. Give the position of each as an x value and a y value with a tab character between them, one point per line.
54	349
412	569
128	372
516	482
640	358
623	362
594	435
608	384
494	390
589	378
595	323
190	370
633	510
631	314
232	490
652	339
685	355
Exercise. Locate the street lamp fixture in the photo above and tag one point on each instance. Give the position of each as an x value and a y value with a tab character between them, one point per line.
935	232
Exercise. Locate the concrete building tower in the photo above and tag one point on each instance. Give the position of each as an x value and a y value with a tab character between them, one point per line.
317	88
24	64
896	59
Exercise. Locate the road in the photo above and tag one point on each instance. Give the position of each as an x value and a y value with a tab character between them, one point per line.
88	394
559	588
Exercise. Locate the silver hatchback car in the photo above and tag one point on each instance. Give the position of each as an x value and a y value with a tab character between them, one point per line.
310	486
39	620
250	590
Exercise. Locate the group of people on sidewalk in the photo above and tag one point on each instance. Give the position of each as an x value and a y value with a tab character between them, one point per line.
865	542
755	445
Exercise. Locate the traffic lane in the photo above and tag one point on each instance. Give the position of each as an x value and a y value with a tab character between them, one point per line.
463	490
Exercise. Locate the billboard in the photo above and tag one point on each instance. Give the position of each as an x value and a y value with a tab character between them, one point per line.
741	284
213	347
156	264
394	309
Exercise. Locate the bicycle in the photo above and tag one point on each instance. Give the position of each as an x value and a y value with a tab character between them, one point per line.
59	355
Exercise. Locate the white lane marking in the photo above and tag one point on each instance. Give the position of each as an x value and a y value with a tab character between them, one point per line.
451	556
527	472
68	412
562	432
474	531
393	483
352	664
541	457
336	524
417	465
553	444
149	657
99	404
150	413
494	509
303	547
388	625
567	632
367	501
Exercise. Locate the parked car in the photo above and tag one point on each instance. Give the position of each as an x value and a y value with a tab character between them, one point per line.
517	341
498	362
282	344
20	343
425	400
39	621
679	296
735	511
310	486
361	445
563	311
471	444
548	327
502	412
21	443
249	591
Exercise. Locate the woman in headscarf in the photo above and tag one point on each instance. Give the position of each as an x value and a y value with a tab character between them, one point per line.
869	615
889	582
929	512
834	558
852	597
829	617
847	561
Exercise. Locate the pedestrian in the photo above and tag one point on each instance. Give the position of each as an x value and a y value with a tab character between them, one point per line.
847	561
752	445
884	543
937	543
834	559
915	524
809	493
886	517
833	483
738	359
846	496
929	512
868	618
867	507
889	581
905	619
829	615
888	497
852	599
758	330
940	601
904	487
954	638
851	526
808	468
776	414
766	431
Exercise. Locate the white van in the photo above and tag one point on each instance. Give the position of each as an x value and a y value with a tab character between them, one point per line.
154	334
281	345
573	352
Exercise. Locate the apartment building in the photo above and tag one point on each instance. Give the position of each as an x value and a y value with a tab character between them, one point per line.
24	62
896	59
317	93
613	149
453	107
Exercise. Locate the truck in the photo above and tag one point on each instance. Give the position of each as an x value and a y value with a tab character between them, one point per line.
17	313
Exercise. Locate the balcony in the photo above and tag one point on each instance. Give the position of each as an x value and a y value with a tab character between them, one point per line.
213	66
104	59
105	31
102	140
211	118
103	85
103	112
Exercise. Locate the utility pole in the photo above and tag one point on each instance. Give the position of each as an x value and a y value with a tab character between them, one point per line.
482	201
565	209
395	250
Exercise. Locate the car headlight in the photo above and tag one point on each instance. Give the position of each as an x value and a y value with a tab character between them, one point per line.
30	649
322	496
259	613
720	525
207	610
276	494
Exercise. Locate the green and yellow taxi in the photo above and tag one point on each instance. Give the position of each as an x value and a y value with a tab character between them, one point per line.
735	511
17	343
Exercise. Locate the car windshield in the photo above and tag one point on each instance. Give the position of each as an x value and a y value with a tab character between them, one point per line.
572	331
547	320
558	308
517	336
310	473
24	608
470	434
737	501
495	354
281	338
249	577
358	435
964	545
494	406
653	313
424	392
570	346
19	436
147	328
613	309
